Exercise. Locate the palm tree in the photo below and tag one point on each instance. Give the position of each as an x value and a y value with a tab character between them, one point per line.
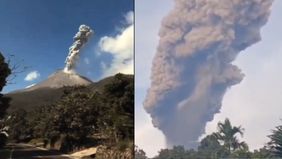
227	135
276	141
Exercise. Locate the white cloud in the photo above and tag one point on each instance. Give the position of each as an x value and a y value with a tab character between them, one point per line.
121	48
30	85
32	76
129	17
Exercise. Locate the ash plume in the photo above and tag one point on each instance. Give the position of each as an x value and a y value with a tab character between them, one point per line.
192	68
80	39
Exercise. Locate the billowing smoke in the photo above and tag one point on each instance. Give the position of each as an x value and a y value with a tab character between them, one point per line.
193	68
80	39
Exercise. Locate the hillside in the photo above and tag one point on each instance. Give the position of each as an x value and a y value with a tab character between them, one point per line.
27	100
69	119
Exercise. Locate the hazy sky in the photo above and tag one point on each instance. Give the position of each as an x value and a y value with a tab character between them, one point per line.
40	32
255	103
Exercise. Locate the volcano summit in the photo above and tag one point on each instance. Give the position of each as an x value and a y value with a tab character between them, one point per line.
60	79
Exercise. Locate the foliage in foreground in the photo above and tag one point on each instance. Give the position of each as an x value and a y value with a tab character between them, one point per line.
276	142
5	71
222	144
82	117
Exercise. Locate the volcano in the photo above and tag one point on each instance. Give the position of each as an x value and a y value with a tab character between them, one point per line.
60	79
52	89
47	91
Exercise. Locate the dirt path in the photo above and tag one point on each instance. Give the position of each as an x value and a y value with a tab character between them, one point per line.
25	151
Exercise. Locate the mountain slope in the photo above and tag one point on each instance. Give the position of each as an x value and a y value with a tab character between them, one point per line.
40	94
60	79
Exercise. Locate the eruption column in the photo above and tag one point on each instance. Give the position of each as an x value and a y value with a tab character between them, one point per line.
193	68
80	39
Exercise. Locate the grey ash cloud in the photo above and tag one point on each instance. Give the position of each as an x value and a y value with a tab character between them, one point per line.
192	68
80	39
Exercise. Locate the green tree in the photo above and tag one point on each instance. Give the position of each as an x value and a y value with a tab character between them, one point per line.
4	73
40	120
118	98
210	142
210	147
140	154
102	114
178	152
227	135
261	153
275	143
73	118
19	130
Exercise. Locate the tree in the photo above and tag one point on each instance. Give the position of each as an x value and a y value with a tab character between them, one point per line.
210	142
275	143
4	101
83	116
227	135
19	128
4	73
178	152
72	119
261	153
210	147
139	153
118	98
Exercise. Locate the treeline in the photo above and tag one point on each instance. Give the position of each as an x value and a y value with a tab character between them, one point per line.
222	144
81	118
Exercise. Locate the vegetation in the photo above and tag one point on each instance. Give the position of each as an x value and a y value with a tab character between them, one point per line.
227	135
82	117
276	142
139	153
4	73
222	144
4	101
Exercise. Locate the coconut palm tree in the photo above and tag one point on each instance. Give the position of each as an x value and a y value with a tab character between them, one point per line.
276	142
227	135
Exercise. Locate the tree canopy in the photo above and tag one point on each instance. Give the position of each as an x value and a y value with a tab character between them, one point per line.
82	117
4	101
4	73
276	142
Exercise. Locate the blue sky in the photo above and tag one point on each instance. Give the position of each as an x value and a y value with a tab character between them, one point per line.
40	33
255	103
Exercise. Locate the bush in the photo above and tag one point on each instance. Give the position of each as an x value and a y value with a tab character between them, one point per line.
3	139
